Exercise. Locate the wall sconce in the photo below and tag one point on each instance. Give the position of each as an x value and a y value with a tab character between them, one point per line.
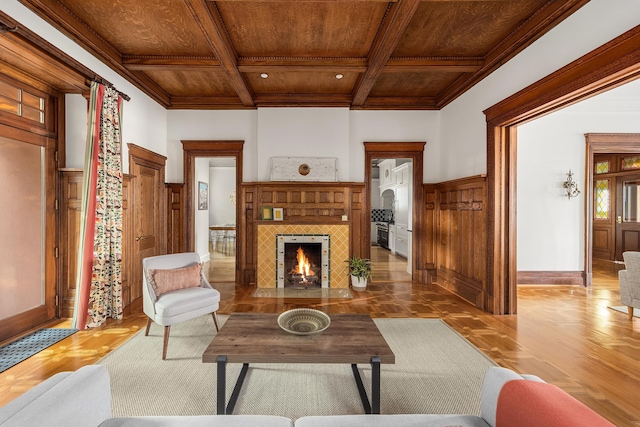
571	186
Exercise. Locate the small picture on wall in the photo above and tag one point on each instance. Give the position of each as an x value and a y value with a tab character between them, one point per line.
278	214
267	213
203	195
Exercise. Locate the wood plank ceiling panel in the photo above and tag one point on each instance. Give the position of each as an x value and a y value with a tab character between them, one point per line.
398	54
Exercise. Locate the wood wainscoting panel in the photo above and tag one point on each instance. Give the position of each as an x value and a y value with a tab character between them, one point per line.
429	237
551	278
461	249
70	211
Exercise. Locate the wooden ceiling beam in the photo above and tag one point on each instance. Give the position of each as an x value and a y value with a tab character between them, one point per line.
399	103
168	63
208	18
206	103
303	100
417	65
398	18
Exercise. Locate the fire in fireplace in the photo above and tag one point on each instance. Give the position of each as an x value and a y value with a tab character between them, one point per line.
303	261
306	265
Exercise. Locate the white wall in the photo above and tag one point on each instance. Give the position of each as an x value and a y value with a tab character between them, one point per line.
551	227
303	132
144	120
201	224
211	125
463	125
222	184
401	126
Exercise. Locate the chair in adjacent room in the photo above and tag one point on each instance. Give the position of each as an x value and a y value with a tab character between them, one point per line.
630	281
175	289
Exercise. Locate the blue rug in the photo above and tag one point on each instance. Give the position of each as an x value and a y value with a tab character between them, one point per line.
17	351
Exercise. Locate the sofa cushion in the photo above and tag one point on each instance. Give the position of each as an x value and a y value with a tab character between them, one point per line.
532	403
186	300
397	420
172	279
201	421
78	399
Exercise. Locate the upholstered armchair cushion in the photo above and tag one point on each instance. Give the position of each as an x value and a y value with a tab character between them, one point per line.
166	280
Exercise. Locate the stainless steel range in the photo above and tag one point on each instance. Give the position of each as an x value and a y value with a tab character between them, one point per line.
383	234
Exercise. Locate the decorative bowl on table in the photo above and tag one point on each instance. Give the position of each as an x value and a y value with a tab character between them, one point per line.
304	321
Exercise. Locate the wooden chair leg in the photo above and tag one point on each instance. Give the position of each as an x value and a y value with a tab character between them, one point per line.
146	332
630	311
215	320
166	342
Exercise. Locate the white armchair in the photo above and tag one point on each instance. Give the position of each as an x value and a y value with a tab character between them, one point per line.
630	281
174	290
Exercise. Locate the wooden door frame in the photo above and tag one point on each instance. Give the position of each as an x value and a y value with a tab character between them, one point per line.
398	150
611	65
192	149
601	143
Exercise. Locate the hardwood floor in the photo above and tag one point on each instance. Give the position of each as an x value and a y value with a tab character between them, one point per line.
564	334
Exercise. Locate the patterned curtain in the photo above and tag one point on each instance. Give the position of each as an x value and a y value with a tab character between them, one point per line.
99	281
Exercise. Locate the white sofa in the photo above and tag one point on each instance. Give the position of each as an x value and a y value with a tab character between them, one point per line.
83	398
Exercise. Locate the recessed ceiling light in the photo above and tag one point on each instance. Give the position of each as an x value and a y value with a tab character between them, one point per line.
264	75
339	76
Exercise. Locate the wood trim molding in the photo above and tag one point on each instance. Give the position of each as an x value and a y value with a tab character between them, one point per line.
415	152
611	65
551	278
210	148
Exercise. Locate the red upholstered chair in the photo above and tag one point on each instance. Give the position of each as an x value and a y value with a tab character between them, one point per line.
524	403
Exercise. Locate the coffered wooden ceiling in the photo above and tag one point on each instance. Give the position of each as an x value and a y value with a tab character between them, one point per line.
404	54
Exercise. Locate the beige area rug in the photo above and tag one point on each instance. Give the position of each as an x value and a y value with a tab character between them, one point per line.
623	309
436	371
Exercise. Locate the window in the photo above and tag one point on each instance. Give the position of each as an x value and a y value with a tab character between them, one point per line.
15	100
602	166
602	199
632	162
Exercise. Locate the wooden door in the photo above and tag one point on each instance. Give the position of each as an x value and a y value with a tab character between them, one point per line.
627	214
149	201
604	220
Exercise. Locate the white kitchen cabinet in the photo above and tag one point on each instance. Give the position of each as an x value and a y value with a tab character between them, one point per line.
403	209
387	178
392	238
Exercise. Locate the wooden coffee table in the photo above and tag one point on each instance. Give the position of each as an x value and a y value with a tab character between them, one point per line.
256	338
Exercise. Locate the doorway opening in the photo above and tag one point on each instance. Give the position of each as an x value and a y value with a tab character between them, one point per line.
400	169
212	177
391	218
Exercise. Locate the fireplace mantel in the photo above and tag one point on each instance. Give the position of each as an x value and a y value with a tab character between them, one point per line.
308	204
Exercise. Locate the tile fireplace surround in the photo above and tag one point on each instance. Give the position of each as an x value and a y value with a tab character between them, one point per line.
266	275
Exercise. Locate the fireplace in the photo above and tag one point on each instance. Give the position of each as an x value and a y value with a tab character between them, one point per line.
303	260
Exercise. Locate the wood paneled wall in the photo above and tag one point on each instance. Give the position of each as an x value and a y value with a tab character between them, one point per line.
454	238
303	203
175	218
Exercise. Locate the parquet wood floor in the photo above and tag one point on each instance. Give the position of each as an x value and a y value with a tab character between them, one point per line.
564	334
